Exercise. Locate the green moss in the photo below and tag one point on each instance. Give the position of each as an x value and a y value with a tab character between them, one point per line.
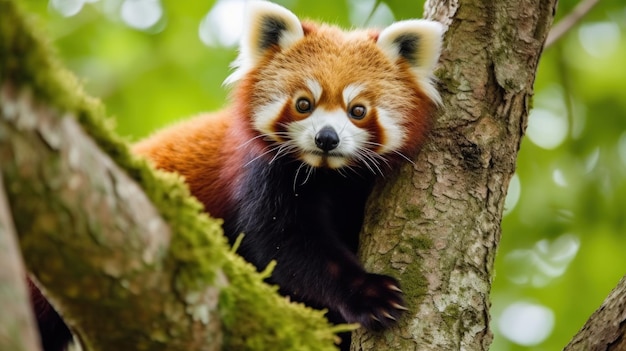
421	243
414	282
264	319
412	211
254	315
451	315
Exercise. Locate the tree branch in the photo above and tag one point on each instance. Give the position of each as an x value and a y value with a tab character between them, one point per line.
606	328
564	25
17	327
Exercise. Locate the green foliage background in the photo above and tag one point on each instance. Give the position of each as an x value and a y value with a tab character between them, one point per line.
563	240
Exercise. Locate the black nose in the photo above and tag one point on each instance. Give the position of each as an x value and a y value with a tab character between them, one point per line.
327	139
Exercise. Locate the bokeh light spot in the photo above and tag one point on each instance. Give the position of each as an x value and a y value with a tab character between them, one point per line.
559	178
223	25
546	129
599	39
539	265
67	8
141	14
592	160
526	323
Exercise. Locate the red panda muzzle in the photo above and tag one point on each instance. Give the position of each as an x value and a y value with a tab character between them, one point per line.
327	139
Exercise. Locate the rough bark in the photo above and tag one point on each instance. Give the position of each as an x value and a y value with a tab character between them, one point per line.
606	328
436	224
17	326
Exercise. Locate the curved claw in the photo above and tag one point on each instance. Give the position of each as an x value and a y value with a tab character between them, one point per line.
387	315
394	288
398	306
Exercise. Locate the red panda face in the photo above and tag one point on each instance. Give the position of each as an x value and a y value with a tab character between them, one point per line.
337	99
327	128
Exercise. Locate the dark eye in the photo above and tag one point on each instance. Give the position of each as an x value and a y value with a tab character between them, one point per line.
358	111
303	105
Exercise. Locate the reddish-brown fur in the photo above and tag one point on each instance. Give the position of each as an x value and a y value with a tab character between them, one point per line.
209	150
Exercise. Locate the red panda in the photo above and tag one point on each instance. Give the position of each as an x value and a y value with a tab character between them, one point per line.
317	115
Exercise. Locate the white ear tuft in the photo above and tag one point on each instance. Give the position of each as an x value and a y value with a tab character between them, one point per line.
418	42
266	25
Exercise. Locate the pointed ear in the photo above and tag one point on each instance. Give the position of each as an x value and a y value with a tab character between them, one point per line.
266	26
416	41
270	24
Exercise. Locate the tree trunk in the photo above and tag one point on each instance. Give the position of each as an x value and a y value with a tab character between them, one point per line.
436	225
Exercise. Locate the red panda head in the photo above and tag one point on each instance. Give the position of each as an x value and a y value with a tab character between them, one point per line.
335	99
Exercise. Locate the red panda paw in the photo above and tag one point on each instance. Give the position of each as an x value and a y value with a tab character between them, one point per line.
375	302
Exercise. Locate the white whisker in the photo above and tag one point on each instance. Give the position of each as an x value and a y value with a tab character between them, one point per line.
295	178
271	149
309	172
265	135
341	171
284	149
368	155
394	151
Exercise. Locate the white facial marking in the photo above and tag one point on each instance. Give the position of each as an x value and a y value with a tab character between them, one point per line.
315	88
265	117
351	91
392	129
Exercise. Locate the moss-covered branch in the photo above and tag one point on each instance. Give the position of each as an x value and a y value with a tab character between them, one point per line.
123	251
